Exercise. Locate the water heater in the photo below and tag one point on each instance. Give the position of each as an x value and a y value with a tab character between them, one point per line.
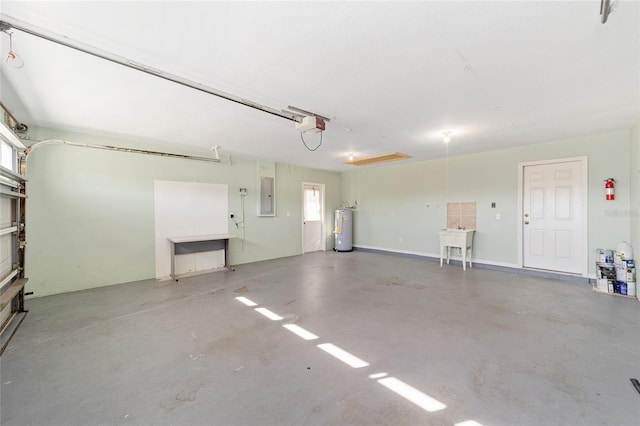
344	230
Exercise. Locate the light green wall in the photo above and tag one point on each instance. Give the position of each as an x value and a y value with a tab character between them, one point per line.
90	213
402	207
635	192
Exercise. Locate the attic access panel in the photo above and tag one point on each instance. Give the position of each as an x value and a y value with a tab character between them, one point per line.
377	159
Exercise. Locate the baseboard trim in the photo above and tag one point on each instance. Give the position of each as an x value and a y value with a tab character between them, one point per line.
482	264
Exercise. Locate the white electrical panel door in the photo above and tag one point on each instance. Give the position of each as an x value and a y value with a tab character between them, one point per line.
267	196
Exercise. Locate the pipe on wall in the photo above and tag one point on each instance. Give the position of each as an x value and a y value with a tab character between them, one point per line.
37	145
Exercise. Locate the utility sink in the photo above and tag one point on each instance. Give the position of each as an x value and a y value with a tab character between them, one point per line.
460	238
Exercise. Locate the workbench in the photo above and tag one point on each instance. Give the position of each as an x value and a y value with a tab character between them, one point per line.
196	244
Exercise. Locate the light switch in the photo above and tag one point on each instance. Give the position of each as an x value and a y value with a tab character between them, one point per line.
498	216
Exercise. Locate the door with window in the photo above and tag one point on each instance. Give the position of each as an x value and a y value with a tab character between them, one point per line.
554	216
312	217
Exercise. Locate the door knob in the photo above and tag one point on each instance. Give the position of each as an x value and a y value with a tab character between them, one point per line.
526	222
526	215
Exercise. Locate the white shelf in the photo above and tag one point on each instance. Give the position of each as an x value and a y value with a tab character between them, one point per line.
595	290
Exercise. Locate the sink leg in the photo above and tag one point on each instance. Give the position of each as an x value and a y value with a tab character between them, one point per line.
464	259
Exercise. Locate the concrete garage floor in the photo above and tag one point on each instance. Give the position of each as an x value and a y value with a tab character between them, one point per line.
482	347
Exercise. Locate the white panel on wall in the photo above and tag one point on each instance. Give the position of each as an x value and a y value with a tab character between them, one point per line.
187	209
266	196
266	171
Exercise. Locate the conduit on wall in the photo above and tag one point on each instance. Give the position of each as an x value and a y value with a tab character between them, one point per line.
35	146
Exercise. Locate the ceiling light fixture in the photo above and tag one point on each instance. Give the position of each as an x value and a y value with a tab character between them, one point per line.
447	136
351	157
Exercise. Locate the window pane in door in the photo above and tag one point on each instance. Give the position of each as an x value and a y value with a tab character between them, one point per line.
6	156
311	204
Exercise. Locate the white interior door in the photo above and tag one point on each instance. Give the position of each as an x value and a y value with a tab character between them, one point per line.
554	216
312	221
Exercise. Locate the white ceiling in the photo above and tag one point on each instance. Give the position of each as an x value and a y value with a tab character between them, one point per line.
498	74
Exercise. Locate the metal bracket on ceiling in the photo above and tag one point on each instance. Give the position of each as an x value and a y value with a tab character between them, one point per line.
605	9
304	113
16	125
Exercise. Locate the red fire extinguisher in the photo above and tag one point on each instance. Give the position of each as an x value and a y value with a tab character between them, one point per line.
610	188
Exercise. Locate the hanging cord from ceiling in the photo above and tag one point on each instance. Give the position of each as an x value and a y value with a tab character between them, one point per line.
13	59
7	22
307	146
242	221
446	165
